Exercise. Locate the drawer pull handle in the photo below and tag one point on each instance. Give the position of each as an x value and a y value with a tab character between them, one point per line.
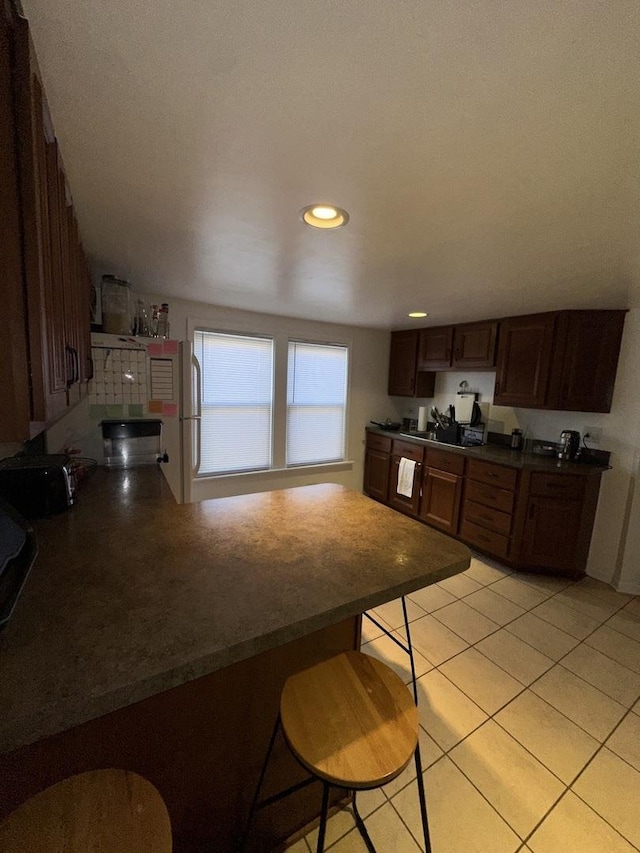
484	517
484	538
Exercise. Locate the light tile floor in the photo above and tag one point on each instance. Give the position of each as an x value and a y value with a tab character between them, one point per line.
530	713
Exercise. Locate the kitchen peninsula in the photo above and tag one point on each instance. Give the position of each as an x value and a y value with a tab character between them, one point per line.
157	636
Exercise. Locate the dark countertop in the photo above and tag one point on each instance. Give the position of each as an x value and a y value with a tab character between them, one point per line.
133	594
501	455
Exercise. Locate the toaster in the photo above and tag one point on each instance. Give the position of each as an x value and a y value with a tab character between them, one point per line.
37	486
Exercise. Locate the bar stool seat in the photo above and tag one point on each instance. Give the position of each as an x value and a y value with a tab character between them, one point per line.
352	723
102	811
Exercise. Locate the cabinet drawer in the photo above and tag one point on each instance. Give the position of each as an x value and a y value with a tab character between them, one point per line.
444	461
557	485
491	496
408	450
484	539
488	517
378	442
488	472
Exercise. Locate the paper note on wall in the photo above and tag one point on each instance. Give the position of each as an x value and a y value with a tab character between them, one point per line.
162	379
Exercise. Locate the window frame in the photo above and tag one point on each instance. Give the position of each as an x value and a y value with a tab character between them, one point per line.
324	343
282	331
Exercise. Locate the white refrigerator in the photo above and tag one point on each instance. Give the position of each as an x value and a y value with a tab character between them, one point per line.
190	419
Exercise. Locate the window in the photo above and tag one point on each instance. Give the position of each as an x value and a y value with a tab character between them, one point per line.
237	402
316	403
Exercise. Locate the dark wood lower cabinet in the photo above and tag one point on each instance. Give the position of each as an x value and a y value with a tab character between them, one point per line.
550	533
534	519
377	462
440	505
413	453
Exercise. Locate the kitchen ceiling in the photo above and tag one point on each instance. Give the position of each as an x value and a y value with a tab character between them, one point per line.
485	151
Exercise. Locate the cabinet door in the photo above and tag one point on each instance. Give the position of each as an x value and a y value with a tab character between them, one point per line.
584	372
440	505
402	363
15	403
59	361
474	345
550	535
524	360
50	361
376	474
404	504
434	348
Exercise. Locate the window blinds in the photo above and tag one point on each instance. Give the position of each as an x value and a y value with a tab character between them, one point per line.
237	402
316	402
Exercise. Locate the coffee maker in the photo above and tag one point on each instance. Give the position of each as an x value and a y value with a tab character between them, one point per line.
569	444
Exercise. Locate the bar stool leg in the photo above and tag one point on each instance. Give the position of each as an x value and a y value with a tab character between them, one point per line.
323	817
254	802
410	650
361	827
421	797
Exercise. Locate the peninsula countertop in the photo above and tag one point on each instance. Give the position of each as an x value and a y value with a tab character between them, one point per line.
133	594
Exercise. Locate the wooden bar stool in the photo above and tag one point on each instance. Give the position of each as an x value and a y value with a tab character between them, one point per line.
351	722
102	811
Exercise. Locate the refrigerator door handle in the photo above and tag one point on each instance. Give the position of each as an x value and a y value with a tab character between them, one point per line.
198	415
196	366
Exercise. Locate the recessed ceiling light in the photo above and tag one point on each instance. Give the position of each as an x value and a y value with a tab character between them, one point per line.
418	314
324	216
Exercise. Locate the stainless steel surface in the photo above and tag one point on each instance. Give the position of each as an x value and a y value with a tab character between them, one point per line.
569	444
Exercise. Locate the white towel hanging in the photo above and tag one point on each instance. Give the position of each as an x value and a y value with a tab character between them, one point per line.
406	471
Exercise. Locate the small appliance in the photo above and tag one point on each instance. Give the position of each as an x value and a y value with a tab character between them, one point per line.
569	444
37	486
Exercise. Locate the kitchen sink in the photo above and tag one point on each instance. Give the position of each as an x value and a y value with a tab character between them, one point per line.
440	443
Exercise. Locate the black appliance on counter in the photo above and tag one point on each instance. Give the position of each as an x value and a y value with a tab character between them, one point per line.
18	551
569	444
37	486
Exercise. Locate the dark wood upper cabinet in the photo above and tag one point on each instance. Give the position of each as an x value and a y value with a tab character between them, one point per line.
406	378
474	345
524	360
585	360
48	289
564	360
435	347
402	363
471	346
14	384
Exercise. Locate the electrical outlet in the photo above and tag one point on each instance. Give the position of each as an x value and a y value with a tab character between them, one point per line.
593	434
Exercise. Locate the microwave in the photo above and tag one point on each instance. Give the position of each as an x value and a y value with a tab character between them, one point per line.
37	486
